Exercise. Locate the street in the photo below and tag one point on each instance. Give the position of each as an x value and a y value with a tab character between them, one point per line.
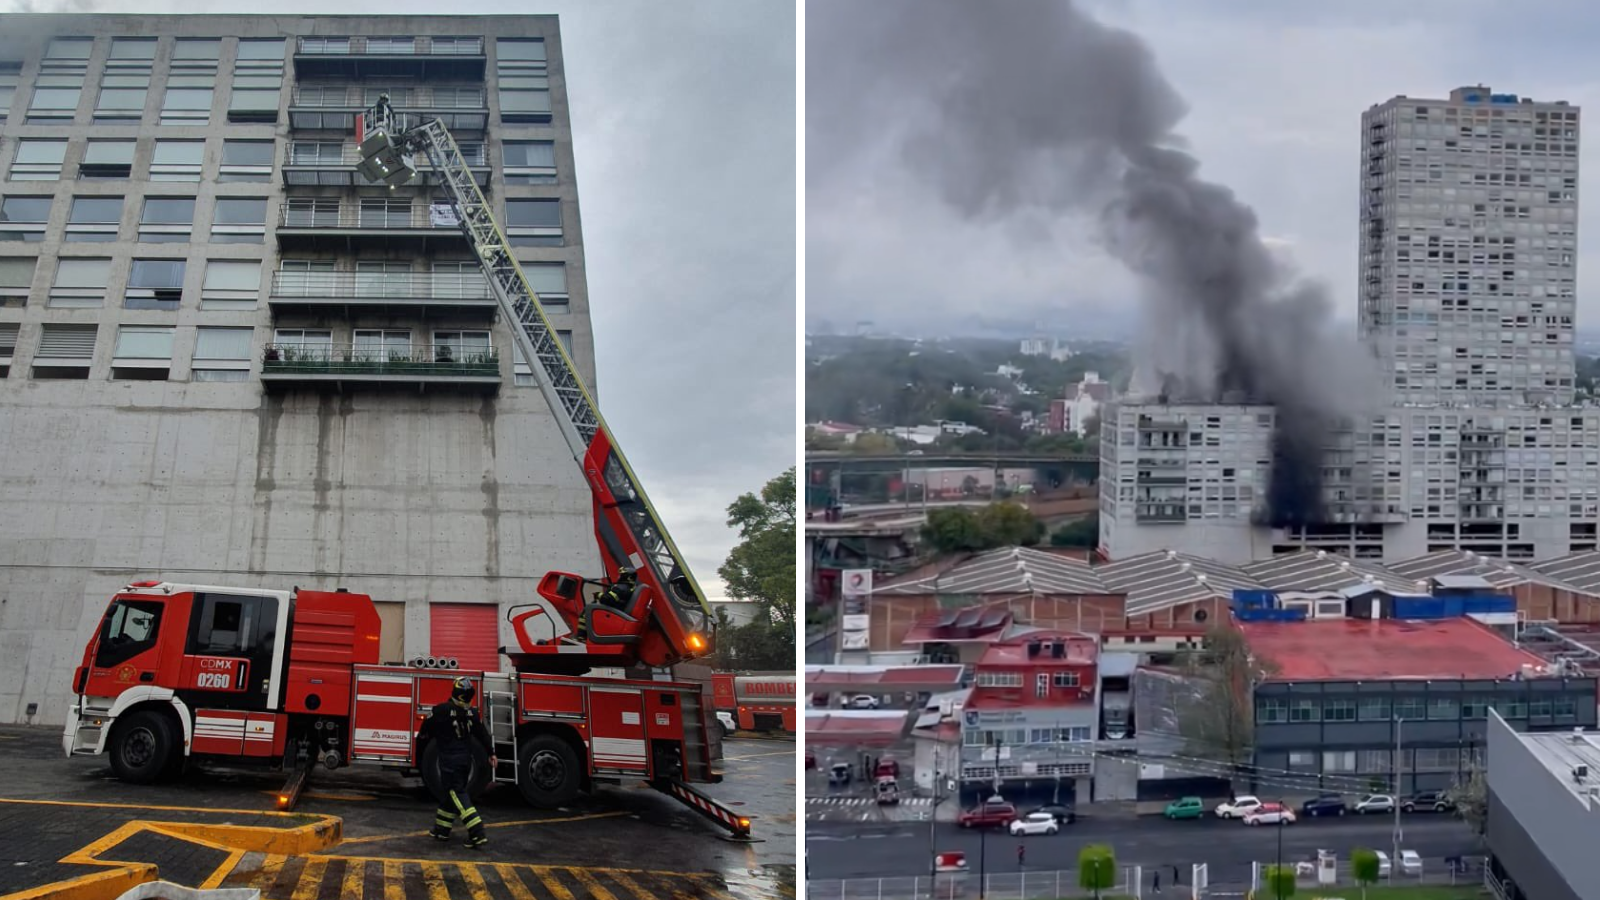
843	850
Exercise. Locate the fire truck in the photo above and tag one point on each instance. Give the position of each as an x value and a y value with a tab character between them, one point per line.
181	672
754	701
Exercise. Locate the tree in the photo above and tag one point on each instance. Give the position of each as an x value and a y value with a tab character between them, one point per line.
761	567
1009	525
1364	866
870	443
1084	533
953	530
1280	881
960	530
1220	722
1471	798
1097	869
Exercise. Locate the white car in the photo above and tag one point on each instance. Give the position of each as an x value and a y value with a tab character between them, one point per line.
1035	823
1375	803
1410	863
863	701
1238	808
1270	814
1383	863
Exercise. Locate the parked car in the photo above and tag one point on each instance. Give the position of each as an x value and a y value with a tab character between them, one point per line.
1270	814
839	774
1383	863
1375	803
811	760
862	701
1186	808
1428	801
1063	813
1237	807
1034	823
886	792
989	814
1325	805
1410	863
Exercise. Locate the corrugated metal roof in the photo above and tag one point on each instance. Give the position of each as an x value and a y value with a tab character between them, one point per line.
1461	582
1501	574
1579	570
1008	570
1164	578
1318	570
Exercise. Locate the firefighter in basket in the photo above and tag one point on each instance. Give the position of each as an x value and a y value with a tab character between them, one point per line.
454	726
616	596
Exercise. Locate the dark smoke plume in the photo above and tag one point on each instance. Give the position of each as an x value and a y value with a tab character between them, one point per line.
1024	109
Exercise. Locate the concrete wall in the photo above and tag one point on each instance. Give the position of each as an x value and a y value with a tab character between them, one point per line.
1539	832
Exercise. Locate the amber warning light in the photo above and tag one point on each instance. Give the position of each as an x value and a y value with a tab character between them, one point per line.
696	642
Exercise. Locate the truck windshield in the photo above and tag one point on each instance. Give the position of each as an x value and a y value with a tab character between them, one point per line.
130	628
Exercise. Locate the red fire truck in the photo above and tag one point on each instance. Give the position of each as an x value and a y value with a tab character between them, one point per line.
755	701
177	672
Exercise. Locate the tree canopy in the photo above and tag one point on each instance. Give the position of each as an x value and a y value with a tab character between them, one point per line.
965	530
761	569
1219	724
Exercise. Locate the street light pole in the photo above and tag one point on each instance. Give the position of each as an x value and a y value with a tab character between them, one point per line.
1399	773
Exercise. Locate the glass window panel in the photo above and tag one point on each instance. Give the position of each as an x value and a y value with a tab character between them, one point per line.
198	48
223	343
41	152
254	100
509	49
247	153
530	154
258	81
96	210
193	99
125	99
179	153
109	153
16	271
546	278
83	273
126	80
233	275
525	101
69	48
240	211
157	274
168	211
524	82
25	209
267	49
133	48
144	342
533	213
55	99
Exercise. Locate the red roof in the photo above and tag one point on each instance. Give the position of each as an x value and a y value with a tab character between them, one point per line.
826	678
1376	649
855	729
975	624
1079	650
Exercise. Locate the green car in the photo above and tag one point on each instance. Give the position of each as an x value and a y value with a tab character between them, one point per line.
1185	808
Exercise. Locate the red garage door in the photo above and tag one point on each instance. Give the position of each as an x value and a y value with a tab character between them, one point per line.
470	632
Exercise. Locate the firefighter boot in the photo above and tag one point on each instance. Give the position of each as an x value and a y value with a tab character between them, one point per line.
476	838
442	821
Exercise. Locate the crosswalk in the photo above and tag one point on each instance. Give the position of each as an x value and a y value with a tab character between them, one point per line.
866	809
342	877
864	801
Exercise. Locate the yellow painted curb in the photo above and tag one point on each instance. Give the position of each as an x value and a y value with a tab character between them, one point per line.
322	834
107	884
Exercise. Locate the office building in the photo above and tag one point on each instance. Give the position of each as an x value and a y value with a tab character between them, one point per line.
228	360
1467	293
1544	801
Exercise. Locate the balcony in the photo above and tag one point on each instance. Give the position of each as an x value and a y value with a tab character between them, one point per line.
325	224
333	164
368	57
419	367
346	292
333	107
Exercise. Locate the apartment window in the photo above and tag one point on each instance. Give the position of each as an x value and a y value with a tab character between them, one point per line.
456	280
188	99
239	220
460	346
310	212
1339	711
383	279
166	220
302	343
231	284
533	223
381	346
1437	759
320	46
530	162
69	49
523	79
38	160
65	351
1374	761
59	84
1443	708
1474	707
177	160
549	281
1305	711
384	213
24	218
94	219
143	353
197	51
80	283
246	161
155	284
1410	708
10	78
106	161
221	354
1339	761
8	346
564	335
305	278
1373	709
261	51
16	279
316	153
126	80
257	81
521	371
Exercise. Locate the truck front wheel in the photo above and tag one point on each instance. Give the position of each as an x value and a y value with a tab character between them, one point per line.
547	771
142	747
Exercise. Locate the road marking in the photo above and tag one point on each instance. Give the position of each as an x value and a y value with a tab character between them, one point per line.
760	755
433	882
508	877
310	884
414	834
354	878
590	886
394	887
473	876
104	805
548	879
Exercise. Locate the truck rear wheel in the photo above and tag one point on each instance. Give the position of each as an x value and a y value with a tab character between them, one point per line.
547	771
477	779
143	746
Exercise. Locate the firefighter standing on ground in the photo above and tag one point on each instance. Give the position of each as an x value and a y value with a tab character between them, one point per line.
454	726
616	596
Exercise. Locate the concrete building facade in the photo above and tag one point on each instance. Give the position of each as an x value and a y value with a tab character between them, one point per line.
1467	296
1544	800
227	361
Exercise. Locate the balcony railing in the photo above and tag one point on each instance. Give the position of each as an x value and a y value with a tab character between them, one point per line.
390	46
381	286
379	361
316	154
363	217
420	97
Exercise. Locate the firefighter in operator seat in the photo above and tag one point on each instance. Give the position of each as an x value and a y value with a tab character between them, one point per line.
617	596
455	726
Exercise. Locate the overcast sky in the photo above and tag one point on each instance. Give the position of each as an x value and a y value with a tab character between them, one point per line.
1275	92
683	117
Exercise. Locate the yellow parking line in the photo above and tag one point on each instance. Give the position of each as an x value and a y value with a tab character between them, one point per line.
412	834
760	755
509	878
473	878
590	886
223	871
711	887
271	865
627	881
354	878
393	887
103	805
552	884
433	880
310	883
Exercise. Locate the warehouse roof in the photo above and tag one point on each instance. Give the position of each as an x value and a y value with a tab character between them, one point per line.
1008	570
1165	578
1384	649
1313	571
855	728
891	678
1500	573
1580	570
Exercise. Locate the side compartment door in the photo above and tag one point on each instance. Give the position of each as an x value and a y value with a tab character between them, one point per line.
385	723
228	656
616	728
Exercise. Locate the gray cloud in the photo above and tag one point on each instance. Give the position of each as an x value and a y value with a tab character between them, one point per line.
683	118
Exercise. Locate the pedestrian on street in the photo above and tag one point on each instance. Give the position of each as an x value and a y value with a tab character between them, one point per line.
1177	875
454	726
1022	856
1155	882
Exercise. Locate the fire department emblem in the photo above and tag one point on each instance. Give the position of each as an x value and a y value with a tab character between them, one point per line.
125	673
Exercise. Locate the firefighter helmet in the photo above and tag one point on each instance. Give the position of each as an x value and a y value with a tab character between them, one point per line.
463	690
625	573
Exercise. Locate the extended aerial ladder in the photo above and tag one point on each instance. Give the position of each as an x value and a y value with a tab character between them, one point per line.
629	531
